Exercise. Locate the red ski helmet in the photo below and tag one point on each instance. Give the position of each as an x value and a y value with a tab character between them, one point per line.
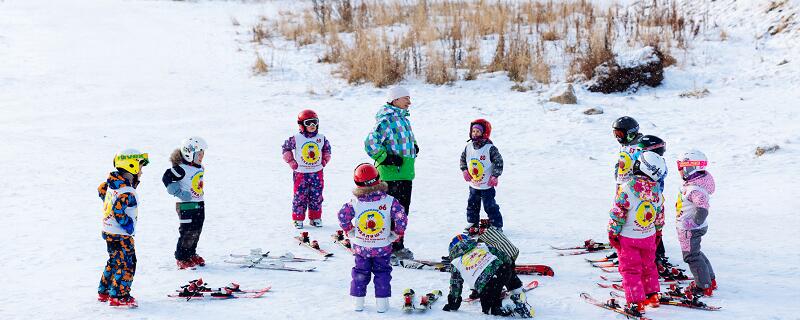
307	115
366	175
487	127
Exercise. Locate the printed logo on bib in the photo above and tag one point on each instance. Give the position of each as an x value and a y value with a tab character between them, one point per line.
371	223
625	163
197	184
310	152
645	214
107	204
476	169
472	259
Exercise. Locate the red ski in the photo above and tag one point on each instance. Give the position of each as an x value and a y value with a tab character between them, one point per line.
534	269
610	305
679	302
339	238
303	239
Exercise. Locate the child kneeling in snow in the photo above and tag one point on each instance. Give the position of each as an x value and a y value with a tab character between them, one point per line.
372	221
481	164
307	153
692	211
634	230
487	270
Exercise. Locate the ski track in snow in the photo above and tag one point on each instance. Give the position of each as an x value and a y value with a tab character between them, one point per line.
80	80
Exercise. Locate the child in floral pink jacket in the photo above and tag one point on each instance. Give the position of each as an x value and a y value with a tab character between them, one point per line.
637	218
691	212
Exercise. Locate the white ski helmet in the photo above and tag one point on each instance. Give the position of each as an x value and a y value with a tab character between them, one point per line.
690	162
191	146
651	165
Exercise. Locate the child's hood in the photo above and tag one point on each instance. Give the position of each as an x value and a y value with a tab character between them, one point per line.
705	181
389	111
176	158
116	181
646	189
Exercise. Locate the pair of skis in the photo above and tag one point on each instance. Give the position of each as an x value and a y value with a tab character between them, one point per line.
304	240
662	281
612	305
528	287
672	297
425	303
589	246
678	302
258	260
445	266
198	290
340	239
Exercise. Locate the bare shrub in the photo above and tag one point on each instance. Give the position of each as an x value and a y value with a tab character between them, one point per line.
577	33
260	32
260	67
438	70
373	59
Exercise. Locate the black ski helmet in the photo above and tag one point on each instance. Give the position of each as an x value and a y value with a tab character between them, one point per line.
653	143
625	129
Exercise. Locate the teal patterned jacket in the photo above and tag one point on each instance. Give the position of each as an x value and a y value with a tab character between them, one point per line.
392	134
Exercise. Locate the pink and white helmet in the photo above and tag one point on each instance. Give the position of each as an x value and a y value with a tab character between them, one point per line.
690	162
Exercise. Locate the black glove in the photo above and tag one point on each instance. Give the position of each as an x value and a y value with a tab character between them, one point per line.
452	303
474	294
392	160
416	149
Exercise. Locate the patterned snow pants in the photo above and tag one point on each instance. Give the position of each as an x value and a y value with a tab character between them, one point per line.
120	267
307	195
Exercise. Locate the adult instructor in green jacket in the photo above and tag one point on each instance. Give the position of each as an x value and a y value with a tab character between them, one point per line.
393	147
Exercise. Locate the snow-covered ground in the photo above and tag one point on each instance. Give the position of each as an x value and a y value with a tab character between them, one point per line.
80	80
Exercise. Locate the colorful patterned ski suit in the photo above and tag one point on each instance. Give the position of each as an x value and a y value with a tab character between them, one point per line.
307	186
121	265
636	217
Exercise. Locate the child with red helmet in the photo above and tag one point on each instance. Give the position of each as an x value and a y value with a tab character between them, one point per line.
307	153
372	221
482	164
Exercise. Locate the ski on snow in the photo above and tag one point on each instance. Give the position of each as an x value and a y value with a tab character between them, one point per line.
304	240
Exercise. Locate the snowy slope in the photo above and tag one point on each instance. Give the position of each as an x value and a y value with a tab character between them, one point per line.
81	79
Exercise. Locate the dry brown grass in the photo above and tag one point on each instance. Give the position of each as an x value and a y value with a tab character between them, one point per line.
260	67
373	59
435	39
260	33
438	70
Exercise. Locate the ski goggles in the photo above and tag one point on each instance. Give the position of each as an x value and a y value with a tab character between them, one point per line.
619	134
311	122
691	163
142	158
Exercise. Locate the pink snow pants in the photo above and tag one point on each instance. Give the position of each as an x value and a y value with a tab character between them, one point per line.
638	268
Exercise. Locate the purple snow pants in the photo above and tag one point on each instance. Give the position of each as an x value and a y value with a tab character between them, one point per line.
364	269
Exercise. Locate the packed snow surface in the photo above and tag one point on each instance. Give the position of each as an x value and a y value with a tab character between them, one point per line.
80	80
